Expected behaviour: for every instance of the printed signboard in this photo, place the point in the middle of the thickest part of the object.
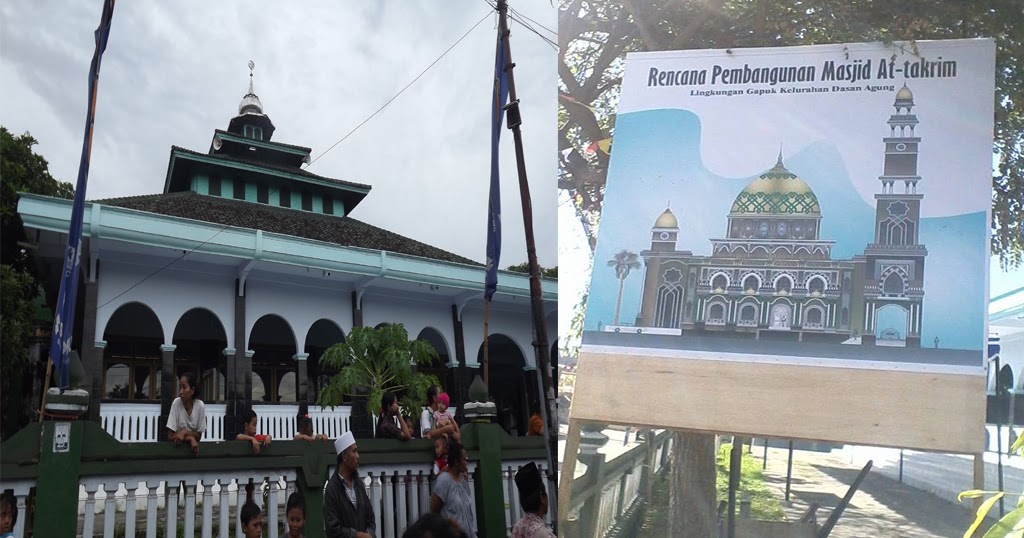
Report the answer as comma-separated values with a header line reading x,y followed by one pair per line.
x,y
808,206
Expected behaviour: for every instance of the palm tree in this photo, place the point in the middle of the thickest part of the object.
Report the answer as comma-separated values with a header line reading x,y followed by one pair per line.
x,y
623,262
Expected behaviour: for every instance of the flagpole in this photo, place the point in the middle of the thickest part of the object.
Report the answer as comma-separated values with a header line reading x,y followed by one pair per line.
x,y
63,326
487,303
540,339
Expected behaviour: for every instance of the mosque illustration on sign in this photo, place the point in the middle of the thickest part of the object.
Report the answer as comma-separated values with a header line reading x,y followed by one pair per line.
x,y
773,277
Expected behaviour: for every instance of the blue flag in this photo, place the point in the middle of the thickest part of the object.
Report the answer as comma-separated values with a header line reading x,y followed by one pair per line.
x,y
498,99
64,320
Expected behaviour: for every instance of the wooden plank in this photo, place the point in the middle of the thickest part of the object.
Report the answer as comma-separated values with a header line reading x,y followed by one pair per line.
x,y
902,409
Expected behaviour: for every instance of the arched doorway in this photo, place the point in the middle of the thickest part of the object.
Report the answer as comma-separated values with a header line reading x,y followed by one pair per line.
x,y
132,358
891,325
781,316
200,339
439,366
322,335
1004,379
274,378
506,382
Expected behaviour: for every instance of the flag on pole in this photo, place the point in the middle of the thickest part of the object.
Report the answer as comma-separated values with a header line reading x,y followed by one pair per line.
x,y
498,99
64,320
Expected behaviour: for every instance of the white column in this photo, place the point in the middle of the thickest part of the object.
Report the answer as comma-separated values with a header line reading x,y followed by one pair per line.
x,y
424,486
19,527
207,486
129,510
389,505
506,487
172,509
271,507
375,494
190,509
239,501
400,485
224,507
90,510
151,502
414,496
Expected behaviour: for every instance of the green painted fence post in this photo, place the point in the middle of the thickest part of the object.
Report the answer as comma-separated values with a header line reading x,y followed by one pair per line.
x,y
311,479
489,483
57,486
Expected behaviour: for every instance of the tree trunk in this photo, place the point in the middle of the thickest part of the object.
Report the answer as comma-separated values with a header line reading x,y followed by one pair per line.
x,y
618,304
692,491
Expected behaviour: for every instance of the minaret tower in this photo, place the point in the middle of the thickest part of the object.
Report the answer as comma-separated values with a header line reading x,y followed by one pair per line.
x,y
894,279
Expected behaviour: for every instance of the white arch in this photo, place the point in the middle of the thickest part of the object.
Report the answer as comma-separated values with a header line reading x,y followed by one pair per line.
x,y
743,279
295,342
728,281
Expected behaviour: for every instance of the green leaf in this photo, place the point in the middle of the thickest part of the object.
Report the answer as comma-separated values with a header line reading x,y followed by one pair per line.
x,y
982,513
973,494
1018,444
1008,525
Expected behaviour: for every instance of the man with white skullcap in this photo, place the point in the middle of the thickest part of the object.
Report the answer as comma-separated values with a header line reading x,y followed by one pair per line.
x,y
347,509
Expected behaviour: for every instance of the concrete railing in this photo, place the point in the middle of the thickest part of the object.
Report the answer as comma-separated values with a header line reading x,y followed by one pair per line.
x,y
91,481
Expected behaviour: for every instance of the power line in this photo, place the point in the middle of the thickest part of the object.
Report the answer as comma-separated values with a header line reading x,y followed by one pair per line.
x,y
401,91
518,17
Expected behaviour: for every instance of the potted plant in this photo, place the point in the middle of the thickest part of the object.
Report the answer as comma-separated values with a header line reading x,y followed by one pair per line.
x,y
370,362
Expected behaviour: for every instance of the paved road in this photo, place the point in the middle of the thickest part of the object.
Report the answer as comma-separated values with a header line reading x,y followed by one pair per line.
x,y
882,507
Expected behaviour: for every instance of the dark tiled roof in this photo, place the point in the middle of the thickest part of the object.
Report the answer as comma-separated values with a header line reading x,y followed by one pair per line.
x,y
270,166
293,146
344,231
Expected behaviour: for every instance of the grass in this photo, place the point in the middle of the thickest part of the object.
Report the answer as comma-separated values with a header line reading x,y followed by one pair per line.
x,y
763,504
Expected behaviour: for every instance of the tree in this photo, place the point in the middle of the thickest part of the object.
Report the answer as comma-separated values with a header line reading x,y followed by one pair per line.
x,y
378,360
525,269
21,170
595,35
623,262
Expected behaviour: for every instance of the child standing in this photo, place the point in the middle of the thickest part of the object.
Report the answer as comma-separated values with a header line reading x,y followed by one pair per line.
x,y
443,418
249,432
295,512
252,520
440,455
8,515
305,432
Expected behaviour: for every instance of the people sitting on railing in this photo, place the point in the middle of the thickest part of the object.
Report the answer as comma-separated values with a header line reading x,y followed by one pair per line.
x,y
8,515
390,424
453,496
305,431
249,432
534,500
444,419
295,514
427,427
252,520
347,509
187,419
432,525
440,455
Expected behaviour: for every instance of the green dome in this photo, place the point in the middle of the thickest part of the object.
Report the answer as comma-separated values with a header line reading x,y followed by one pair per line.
x,y
777,192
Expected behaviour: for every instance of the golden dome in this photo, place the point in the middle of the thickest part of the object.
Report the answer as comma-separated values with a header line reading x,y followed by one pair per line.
x,y
666,220
905,94
777,191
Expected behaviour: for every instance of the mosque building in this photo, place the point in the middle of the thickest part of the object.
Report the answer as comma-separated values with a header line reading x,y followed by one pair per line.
x,y
247,267
773,276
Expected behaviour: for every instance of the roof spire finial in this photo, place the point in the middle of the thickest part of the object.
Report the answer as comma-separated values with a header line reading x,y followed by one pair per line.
x,y
668,205
251,67
780,154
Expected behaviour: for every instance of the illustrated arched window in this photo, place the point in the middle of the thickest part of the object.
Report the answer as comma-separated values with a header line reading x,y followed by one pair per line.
x,y
719,282
116,382
716,313
748,315
893,284
783,284
816,285
814,316
259,392
781,316
751,283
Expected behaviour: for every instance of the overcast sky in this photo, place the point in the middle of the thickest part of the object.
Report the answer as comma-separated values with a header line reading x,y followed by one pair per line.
x,y
174,72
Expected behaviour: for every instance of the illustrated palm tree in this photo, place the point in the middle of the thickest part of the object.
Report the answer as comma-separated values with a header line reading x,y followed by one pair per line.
x,y
623,262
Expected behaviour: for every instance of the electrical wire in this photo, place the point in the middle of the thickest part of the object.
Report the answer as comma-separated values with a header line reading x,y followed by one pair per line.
x,y
432,64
